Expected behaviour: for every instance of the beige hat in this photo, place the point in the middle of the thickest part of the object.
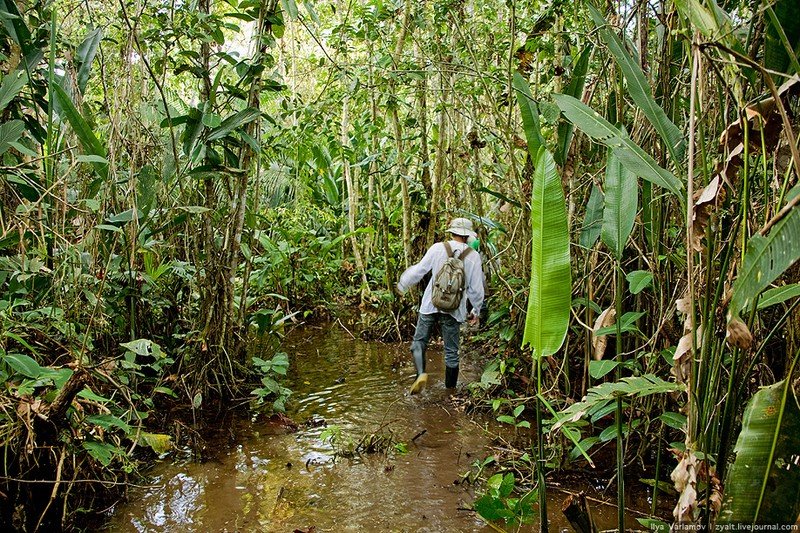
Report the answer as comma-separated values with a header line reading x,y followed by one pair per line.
x,y
461,226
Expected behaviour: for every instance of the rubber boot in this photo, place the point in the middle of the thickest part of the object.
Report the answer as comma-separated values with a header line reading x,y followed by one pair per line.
x,y
422,377
450,377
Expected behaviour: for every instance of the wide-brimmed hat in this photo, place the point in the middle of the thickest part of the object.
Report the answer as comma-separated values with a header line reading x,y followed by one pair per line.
x,y
461,226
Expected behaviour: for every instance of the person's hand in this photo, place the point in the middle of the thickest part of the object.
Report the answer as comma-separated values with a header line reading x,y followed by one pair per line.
x,y
473,319
399,290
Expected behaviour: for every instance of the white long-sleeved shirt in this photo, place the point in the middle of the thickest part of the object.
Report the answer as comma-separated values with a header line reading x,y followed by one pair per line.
x,y
432,262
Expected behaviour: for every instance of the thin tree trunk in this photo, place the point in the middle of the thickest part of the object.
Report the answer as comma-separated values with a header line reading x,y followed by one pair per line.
x,y
402,169
352,196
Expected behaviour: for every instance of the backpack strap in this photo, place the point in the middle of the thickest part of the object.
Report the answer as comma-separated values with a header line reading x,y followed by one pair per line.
x,y
448,248
465,253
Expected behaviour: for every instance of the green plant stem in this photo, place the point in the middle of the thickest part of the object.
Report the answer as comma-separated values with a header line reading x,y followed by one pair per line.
x,y
618,411
543,524
656,474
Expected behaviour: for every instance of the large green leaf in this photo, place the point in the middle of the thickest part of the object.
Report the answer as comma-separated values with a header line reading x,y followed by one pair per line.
x,y
701,18
9,132
89,141
15,25
11,86
782,37
233,122
766,259
566,129
593,222
778,295
85,56
530,114
639,89
628,152
551,278
763,484
621,203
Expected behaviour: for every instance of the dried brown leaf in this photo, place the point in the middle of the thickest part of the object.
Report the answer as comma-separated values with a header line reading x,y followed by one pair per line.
x,y
738,334
707,199
599,344
682,305
682,359
685,479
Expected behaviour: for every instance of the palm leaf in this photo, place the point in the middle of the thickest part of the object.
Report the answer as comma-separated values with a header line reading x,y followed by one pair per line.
x,y
630,387
551,279
530,114
621,204
628,152
766,259
639,90
763,484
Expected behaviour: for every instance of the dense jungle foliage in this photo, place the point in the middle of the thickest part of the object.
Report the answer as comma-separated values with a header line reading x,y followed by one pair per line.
x,y
179,178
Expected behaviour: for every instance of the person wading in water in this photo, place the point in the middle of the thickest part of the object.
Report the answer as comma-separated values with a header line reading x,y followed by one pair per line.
x,y
456,276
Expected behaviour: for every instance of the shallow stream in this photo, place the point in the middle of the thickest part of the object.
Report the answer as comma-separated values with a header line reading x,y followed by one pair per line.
x,y
268,479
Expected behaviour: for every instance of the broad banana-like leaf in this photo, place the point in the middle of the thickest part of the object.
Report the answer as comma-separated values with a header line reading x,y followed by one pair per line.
x,y
549,299
89,141
593,222
628,152
639,89
766,259
782,37
621,203
763,484
530,114
566,129
85,56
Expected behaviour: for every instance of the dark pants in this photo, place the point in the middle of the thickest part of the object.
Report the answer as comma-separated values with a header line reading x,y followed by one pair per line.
x,y
450,335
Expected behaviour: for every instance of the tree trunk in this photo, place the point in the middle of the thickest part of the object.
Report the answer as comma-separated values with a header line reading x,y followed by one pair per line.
x,y
352,197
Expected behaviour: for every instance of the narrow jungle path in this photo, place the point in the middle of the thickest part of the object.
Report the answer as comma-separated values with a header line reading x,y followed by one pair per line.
x,y
268,479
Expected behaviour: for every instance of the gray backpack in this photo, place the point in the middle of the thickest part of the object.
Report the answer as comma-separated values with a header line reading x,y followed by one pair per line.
x,y
448,286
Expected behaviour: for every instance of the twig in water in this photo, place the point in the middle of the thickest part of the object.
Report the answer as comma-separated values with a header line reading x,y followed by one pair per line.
x,y
339,320
418,435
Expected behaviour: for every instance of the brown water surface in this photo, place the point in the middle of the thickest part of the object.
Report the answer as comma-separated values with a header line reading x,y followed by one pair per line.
x,y
274,481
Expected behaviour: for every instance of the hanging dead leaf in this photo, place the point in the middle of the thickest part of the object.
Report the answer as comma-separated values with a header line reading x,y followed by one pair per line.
x,y
685,479
707,199
682,304
738,334
599,344
682,360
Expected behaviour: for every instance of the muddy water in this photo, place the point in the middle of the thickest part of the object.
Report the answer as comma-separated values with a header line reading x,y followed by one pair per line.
x,y
275,481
